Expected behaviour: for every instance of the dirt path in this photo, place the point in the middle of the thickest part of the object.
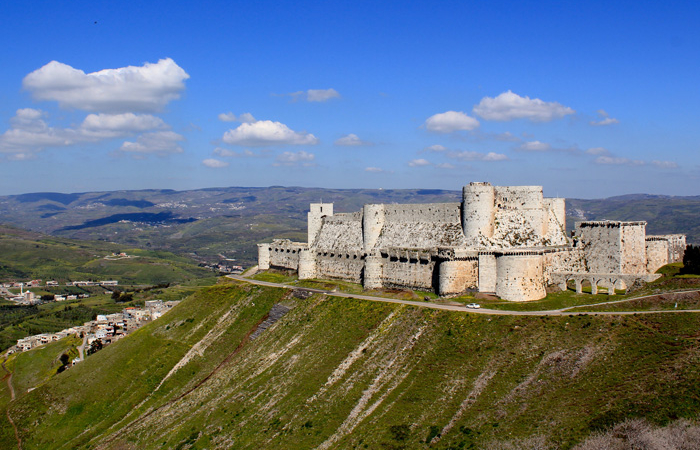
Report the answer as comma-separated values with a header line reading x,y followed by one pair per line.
x,y
495,312
82,347
8,379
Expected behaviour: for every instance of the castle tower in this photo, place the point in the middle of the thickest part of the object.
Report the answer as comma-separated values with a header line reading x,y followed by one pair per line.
x,y
263,256
372,224
317,211
520,276
478,210
373,271
307,264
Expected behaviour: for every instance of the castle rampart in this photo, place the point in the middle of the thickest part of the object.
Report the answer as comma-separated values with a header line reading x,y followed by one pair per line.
x,y
509,240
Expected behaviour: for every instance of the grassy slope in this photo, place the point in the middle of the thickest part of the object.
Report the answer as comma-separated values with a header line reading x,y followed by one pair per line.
x,y
365,375
26,255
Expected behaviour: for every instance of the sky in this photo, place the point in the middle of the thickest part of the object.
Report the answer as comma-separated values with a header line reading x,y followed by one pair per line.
x,y
587,99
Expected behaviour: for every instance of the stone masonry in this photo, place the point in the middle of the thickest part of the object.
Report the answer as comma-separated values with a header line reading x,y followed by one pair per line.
x,y
505,240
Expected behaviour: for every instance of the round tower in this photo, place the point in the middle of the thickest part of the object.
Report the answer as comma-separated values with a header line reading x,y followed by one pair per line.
x,y
520,276
263,256
478,209
373,271
307,264
372,224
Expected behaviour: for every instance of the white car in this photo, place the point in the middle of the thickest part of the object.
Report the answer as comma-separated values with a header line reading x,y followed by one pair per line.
x,y
473,305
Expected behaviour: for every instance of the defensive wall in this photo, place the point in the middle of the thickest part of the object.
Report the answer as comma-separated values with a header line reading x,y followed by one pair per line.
x,y
506,240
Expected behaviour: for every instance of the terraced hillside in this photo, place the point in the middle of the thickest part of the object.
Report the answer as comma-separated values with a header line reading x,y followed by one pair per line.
x,y
346,373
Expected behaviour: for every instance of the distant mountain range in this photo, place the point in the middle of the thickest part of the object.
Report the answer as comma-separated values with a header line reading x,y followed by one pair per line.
x,y
216,223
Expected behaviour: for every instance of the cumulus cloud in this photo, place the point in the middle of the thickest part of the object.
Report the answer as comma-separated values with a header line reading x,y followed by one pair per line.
x,y
665,164
267,132
437,148
598,151
314,95
226,153
603,119
295,158
29,133
419,163
352,140
227,117
144,88
476,156
231,117
534,146
158,143
215,163
450,121
510,106
106,126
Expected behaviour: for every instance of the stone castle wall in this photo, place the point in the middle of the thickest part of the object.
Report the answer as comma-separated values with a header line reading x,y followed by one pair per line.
x,y
510,241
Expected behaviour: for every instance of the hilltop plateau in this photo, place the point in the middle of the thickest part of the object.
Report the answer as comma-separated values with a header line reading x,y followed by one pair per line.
x,y
226,223
243,366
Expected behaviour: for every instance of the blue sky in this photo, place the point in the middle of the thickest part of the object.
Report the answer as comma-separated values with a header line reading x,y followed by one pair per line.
x,y
589,99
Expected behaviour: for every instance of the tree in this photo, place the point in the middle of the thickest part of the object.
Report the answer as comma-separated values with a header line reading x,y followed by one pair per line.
x,y
691,260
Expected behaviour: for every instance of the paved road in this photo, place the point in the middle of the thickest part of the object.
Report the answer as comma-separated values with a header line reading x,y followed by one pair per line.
x,y
496,312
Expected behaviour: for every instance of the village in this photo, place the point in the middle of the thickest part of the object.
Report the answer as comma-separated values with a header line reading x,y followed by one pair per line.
x,y
102,331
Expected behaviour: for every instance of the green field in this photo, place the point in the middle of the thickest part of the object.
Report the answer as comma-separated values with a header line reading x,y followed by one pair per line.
x,y
345,373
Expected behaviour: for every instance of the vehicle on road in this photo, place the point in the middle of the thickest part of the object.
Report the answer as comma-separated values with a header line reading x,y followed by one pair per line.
x,y
473,305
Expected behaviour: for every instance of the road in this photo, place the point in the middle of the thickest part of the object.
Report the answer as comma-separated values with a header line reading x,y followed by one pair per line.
x,y
495,312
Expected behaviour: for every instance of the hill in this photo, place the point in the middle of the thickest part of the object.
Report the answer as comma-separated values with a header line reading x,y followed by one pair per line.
x,y
217,223
241,366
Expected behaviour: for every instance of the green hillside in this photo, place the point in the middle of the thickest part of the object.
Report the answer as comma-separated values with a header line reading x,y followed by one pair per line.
x,y
345,373
27,255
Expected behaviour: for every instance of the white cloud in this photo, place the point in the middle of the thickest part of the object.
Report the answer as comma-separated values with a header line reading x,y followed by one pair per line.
x,y
419,163
534,146
145,88
603,119
267,132
321,95
437,148
158,143
105,126
491,156
665,164
510,106
598,151
295,158
374,170
246,118
227,117
231,117
214,163
29,133
226,153
352,140
476,156
613,160
450,121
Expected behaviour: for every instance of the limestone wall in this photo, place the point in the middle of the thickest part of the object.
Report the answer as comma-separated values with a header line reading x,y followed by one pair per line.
x,y
372,223
633,245
488,272
613,247
284,254
408,272
556,221
520,276
307,264
478,210
341,265
657,253
317,211
565,259
341,232
263,256
456,276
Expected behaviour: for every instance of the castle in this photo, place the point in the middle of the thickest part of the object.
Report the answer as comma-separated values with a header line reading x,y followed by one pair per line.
x,y
507,240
